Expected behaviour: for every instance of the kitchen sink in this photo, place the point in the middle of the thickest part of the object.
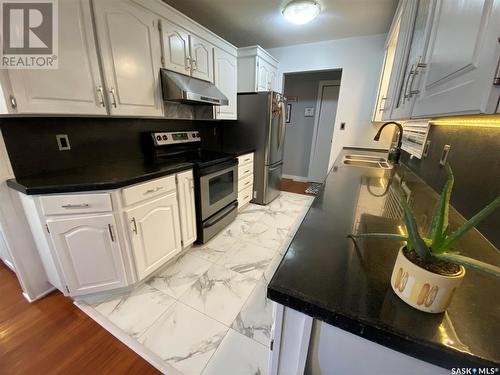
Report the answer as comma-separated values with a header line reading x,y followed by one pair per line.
x,y
366,161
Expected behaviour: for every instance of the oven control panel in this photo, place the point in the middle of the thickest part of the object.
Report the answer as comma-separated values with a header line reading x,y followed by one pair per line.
x,y
171,138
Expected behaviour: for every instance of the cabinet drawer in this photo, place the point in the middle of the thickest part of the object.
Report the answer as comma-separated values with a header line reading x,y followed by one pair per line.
x,y
245,196
245,159
75,203
245,171
245,182
148,190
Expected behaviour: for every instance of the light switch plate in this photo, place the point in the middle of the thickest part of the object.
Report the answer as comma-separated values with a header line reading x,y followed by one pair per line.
x,y
309,112
63,142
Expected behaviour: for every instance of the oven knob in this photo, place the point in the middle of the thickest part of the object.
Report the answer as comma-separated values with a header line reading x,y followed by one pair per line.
x,y
198,134
193,135
158,137
165,137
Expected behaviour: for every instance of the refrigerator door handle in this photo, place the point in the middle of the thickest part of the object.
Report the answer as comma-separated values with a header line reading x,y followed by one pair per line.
x,y
281,134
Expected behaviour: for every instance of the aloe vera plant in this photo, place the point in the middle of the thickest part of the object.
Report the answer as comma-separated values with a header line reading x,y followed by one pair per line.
x,y
436,246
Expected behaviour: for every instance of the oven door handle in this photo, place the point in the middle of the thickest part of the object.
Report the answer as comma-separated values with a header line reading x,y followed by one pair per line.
x,y
220,215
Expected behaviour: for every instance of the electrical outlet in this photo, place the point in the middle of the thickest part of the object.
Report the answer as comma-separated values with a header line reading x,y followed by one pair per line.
x,y
426,149
444,154
63,142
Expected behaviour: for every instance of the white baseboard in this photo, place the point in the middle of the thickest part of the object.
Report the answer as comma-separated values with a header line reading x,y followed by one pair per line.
x,y
295,178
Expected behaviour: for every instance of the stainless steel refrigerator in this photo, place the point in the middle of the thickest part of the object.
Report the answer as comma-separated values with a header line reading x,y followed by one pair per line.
x,y
260,127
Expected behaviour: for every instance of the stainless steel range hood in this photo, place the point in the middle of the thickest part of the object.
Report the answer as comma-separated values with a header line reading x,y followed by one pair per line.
x,y
183,89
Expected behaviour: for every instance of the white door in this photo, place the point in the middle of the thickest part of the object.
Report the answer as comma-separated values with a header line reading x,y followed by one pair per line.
x,y
187,213
131,56
263,69
202,59
89,253
225,80
326,110
75,86
175,48
155,233
462,59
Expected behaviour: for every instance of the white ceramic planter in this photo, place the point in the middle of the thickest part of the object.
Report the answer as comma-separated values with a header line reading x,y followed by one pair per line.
x,y
422,289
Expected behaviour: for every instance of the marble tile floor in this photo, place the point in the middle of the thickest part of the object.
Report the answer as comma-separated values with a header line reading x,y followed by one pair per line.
x,y
206,312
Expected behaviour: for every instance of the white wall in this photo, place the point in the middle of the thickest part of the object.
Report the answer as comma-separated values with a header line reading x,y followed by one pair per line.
x,y
360,59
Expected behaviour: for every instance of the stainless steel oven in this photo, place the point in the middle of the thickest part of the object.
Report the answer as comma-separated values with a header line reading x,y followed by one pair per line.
x,y
218,188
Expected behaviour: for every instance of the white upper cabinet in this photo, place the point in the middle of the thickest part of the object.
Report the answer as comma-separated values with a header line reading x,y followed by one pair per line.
x,y
154,233
175,47
382,105
88,252
130,49
257,70
75,87
187,213
202,59
225,80
414,44
185,53
463,56
446,60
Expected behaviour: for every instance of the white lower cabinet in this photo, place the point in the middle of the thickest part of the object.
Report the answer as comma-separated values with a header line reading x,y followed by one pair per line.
x,y
93,242
88,252
245,180
187,213
154,233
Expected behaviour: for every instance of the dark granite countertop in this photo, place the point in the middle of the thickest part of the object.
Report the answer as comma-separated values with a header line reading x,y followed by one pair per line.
x,y
241,151
104,176
327,277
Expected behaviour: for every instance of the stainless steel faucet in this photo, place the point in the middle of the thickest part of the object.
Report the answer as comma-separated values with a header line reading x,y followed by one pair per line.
x,y
400,138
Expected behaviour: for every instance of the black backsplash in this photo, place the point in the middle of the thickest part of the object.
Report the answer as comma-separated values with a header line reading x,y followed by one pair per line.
x,y
32,146
475,160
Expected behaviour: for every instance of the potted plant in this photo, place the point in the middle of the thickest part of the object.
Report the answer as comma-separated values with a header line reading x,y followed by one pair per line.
x,y
427,271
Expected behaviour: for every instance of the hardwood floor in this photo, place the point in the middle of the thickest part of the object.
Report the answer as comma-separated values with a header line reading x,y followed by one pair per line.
x,y
294,186
52,336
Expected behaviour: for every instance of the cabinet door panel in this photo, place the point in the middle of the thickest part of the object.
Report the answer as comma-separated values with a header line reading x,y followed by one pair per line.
x,y
202,58
72,88
262,75
462,59
225,80
88,252
185,191
175,48
130,49
155,233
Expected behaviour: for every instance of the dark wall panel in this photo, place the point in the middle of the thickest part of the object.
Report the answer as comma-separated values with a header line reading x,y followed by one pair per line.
x,y
475,160
32,146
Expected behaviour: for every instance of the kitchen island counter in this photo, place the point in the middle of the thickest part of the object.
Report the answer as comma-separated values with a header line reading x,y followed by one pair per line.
x,y
346,284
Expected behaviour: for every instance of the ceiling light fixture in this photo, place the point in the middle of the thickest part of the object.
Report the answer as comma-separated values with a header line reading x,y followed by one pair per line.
x,y
300,12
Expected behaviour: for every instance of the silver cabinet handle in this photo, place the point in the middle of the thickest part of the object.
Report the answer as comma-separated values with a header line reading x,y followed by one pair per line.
x,y
110,228
188,63
407,81
419,65
194,64
247,183
100,91
13,101
134,229
149,191
112,92
82,205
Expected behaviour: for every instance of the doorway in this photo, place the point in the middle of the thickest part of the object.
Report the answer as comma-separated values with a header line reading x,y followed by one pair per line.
x,y
324,124
312,99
